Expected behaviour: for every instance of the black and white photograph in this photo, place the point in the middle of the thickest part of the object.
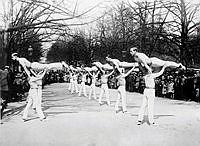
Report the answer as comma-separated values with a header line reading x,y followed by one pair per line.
x,y
100,72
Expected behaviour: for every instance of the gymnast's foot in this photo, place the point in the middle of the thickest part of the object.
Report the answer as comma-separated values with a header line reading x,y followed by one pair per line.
x,y
182,66
64,64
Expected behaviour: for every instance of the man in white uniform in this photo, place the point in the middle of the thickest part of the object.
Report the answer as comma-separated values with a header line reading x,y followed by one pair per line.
x,y
104,86
35,94
92,86
148,97
70,80
122,90
82,87
74,87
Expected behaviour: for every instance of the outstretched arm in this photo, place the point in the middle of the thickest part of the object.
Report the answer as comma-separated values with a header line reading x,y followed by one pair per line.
x,y
101,70
155,75
96,75
27,71
71,70
24,62
129,71
39,77
33,72
42,75
110,73
89,73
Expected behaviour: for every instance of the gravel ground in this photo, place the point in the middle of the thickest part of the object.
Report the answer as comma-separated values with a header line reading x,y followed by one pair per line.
x,y
77,121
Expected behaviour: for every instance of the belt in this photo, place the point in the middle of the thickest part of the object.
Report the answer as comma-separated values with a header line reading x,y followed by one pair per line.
x,y
36,87
150,87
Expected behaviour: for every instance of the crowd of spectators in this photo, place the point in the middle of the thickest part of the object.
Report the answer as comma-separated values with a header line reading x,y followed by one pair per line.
x,y
55,76
181,85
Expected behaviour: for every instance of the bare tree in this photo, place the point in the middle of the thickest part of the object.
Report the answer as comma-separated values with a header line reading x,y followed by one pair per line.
x,y
116,31
150,18
40,20
183,22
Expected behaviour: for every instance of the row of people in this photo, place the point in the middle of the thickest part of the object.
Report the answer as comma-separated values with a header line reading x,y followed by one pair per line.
x,y
142,60
149,92
73,86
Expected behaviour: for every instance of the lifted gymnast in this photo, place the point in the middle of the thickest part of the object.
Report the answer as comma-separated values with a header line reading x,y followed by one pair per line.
x,y
38,66
149,63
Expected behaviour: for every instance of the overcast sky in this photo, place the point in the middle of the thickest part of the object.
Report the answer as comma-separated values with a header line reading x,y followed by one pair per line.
x,y
82,6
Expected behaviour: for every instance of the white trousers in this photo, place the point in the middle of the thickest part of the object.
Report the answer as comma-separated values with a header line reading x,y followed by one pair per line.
x,y
147,104
92,90
33,96
121,95
104,89
39,96
70,84
74,87
82,88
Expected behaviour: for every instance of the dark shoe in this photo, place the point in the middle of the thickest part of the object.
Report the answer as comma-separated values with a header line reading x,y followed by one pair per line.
x,y
42,119
34,109
108,103
139,122
153,124
24,119
125,112
117,111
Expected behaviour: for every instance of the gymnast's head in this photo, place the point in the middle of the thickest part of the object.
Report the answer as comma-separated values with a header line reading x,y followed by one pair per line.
x,y
108,58
133,50
14,56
